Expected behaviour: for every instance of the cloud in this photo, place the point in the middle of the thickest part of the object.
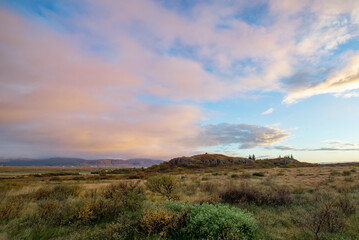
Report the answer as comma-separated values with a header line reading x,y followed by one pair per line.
x,y
344,79
125,77
269,111
348,95
245,135
70,102
288,148
56,99
331,145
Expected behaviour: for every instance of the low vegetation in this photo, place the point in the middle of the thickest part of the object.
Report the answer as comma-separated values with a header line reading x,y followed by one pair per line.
x,y
223,202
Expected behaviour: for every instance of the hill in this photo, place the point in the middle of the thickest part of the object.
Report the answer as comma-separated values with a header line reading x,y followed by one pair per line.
x,y
222,161
209,160
79,162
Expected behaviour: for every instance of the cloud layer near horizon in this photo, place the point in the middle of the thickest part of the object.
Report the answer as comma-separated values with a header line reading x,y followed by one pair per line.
x,y
113,79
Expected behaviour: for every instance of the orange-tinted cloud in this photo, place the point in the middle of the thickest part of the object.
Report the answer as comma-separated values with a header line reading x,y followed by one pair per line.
x,y
58,95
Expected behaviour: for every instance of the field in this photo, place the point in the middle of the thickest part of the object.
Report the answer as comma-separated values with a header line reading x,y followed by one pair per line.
x,y
318,202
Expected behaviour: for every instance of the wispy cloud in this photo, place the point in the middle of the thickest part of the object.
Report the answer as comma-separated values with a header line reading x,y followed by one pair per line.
x,y
331,145
269,111
344,79
348,95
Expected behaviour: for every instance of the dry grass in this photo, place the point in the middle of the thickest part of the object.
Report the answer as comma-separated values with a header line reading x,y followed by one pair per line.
x,y
36,196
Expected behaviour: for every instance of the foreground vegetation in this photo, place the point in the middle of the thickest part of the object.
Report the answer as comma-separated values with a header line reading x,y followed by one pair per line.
x,y
316,202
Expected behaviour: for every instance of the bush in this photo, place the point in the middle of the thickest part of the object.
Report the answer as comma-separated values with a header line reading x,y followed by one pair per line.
x,y
258,174
190,188
334,172
349,179
346,204
12,185
10,209
245,175
209,187
157,221
59,192
117,199
244,193
46,209
277,196
346,173
109,204
165,185
125,228
322,215
85,213
235,176
219,221
167,219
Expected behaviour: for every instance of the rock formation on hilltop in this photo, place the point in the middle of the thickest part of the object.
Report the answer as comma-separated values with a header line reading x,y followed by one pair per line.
x,y
210,160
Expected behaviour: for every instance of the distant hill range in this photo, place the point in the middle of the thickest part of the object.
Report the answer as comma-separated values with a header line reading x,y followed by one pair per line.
x,y
79,162
196,161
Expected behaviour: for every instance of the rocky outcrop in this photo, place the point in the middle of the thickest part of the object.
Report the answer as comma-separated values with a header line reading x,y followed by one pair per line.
x,y
210,160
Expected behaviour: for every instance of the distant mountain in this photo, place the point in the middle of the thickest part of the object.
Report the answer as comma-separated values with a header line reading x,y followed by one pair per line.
x,y
79,162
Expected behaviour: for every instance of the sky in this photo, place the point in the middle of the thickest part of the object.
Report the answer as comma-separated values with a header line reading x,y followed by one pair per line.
x,y
161,79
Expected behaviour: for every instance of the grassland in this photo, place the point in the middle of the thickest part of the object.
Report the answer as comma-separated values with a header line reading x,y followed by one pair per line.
x,y
312,202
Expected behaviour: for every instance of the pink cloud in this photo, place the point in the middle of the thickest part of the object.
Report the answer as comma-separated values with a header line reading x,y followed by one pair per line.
x,y
56,97
55,92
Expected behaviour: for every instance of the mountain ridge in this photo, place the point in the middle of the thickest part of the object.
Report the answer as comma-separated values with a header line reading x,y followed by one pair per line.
x,y
80,162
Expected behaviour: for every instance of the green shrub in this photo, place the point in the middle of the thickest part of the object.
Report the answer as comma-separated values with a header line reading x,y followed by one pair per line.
x,y
166,185
177,207
258,174
219,221
346,173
